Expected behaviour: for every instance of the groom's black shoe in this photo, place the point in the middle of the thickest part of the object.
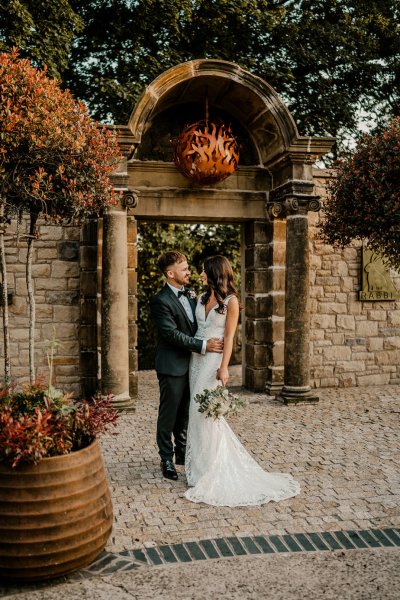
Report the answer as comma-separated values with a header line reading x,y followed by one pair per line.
x,y
168,470
179,459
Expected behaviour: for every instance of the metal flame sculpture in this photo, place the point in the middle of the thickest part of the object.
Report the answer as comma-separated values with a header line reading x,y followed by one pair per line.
x,y
207,152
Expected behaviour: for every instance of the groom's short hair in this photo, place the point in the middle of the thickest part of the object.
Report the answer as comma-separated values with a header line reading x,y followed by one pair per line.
x,y
168,259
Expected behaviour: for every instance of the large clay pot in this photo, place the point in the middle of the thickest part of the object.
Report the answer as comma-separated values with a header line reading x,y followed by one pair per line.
x,y
55,516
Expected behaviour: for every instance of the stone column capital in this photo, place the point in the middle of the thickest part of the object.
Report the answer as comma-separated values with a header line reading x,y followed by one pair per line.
x,y
130,199
292,198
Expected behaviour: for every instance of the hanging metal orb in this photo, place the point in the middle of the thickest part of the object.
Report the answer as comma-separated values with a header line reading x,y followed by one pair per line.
x,y
207,152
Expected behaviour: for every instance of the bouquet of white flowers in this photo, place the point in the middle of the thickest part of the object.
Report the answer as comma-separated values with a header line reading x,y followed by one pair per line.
x,y
219,402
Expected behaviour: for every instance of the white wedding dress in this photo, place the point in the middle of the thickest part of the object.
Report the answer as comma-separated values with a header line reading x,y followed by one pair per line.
x,y
218,468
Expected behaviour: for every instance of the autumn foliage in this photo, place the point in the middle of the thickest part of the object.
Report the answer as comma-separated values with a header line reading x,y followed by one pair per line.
x,y
54,159
364,199
34,425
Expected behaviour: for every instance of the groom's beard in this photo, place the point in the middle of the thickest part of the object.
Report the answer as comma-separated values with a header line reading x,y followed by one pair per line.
x,y
181,281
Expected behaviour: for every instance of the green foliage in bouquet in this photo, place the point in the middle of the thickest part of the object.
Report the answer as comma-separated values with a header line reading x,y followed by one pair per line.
x,y
219,402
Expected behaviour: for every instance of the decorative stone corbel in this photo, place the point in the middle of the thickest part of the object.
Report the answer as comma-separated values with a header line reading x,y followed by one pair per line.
x,y
130,199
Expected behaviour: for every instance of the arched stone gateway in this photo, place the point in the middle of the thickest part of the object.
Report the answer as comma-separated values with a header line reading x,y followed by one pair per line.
x,y
270,194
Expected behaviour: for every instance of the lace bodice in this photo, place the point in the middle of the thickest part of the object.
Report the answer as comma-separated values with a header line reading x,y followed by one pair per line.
x,y
212,326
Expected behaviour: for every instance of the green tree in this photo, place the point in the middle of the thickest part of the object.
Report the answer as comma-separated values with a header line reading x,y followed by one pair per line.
x,y
55,162
364,198
330,59
196,242
126,44
344,58
42,30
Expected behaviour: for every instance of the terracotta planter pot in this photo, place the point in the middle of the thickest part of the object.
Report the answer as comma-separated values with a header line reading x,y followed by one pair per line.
x,y
55,516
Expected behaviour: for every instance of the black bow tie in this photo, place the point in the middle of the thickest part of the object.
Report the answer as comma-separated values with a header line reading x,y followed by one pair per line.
x,y
183,293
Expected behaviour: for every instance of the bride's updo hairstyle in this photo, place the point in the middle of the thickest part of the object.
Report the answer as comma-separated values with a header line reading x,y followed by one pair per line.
x,y
219,280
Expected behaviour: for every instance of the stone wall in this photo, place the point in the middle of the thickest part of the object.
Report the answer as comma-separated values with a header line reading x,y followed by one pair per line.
x,y
352,342
56,284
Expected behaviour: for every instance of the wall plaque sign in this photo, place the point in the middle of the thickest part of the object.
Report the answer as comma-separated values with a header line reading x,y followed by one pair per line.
x,y
377,284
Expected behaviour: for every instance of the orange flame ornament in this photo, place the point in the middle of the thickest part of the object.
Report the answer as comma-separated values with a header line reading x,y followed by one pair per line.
x,y
207,152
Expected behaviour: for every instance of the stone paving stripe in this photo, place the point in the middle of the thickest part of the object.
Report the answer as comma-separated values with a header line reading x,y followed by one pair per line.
x,y
103,562
181,552
392,535
262,542
367,537
134,554
291,543
130,566
209,549
223,547
383,539
118,565
317,541
329,539
305,542
250,545
236,546
344,540
277,542
167,554
154,556
355,538
139,555
127,560
195,551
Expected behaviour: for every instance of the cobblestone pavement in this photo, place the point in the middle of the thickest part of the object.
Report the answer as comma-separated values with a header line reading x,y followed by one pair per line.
x,y
344,451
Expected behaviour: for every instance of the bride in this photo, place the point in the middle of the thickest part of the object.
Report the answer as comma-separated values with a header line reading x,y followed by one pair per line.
x,y
219,470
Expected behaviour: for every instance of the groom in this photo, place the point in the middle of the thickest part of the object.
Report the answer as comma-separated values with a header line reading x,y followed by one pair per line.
x,y
173,313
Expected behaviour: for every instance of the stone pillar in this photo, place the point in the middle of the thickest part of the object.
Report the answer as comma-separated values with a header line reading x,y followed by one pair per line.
x,y
276,306
295,204
132,306
88,309
264,306
114,317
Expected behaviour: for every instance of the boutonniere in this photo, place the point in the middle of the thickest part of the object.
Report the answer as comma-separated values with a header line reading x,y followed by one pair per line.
x,y
192,294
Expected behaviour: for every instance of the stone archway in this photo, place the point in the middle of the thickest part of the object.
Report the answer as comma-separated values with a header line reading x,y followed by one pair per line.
x,y
271,196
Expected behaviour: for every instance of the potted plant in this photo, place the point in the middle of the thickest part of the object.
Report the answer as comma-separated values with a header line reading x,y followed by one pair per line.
x,y
55,505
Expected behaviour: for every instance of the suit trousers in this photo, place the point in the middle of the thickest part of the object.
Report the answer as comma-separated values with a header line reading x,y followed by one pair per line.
x,y
173,415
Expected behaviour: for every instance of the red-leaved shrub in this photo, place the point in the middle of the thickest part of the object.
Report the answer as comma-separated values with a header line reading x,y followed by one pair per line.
x,y
34,426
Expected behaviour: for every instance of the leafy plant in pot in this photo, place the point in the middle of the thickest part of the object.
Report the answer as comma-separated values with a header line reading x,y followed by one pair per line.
x,y
56,162
55,505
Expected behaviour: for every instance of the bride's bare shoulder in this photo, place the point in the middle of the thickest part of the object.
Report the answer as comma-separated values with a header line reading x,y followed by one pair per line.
x,y
232,300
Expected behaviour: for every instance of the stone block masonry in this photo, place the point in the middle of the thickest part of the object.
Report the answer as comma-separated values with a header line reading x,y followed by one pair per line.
x,y
352,342
56,285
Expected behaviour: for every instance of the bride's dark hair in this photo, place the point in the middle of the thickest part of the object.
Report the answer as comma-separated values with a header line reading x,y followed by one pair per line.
x,y
219,280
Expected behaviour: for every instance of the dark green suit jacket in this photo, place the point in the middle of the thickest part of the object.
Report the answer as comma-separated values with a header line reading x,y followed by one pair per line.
x,y
175,333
